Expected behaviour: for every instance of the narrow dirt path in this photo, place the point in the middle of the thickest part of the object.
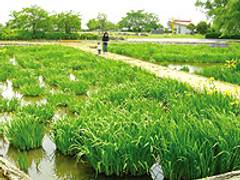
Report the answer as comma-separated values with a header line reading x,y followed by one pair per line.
x,y
199,83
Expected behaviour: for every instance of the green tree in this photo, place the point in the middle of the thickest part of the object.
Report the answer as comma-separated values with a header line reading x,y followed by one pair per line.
x,y
224,13
33,19
66,22
93,24
192,28
139,21
101,23
202,27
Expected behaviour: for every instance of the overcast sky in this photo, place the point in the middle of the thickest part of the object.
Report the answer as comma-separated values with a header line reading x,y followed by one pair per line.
x,y
115,9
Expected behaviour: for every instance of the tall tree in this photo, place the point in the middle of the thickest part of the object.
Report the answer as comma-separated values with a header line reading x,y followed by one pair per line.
x,y
224,13
139,21
101,23
34,19
67,22
93,24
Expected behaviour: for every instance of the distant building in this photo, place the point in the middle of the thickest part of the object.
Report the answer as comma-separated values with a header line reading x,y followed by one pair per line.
x,y
179,26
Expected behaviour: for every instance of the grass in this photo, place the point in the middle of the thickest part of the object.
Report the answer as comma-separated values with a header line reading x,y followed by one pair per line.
x,y
42,113
25,132
132,118
177,53
223,73
23,162
32,90
9,105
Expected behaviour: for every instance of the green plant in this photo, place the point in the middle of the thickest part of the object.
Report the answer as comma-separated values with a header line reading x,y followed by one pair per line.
x,y
64,134
23,162
32,90
42,113
9,105
77,87
25,132
60,99
176,53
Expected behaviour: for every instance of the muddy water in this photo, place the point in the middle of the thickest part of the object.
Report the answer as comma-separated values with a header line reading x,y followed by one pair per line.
x,y
8,93
191,68
47,163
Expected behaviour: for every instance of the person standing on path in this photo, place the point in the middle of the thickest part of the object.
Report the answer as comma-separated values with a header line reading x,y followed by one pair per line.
x,y
105,40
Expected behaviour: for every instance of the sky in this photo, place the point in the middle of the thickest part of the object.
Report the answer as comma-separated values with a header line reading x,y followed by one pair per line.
x,y
115,9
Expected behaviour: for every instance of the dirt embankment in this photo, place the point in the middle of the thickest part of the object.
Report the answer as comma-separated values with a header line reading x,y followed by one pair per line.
x,y
9,172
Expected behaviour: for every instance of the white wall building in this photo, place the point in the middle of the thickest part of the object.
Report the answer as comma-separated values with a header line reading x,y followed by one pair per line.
x,y
179,26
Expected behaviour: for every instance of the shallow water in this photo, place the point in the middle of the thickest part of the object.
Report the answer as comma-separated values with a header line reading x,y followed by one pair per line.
x,y
8,93
41,81
72,77
192,68
13,61
47,163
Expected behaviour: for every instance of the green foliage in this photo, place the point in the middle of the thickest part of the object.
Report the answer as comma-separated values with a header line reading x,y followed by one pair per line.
x,y
60,99
192,28
202,27
33,19
177,53
64,134
66,22
77,87
32,90
213,35
7,71
130,117
9,105
43,113
25,132
225,14
223,73
22,161
101,23
139,21
89,36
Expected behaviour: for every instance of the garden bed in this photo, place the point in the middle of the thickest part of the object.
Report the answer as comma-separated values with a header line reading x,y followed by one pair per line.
x,y
118,119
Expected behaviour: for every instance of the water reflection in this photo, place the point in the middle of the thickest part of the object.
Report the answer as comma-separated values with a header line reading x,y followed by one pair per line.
x,y
13,61
47,163
72,77
8,92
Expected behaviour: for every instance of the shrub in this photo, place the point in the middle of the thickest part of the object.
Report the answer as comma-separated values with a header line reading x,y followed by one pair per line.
x,y
231,36
25,132
213,35
89,36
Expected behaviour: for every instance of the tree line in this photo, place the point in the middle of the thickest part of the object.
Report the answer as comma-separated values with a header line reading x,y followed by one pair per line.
x,y
35,22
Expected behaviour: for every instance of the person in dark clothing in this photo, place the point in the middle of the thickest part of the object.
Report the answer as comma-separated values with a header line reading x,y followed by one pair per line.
x,y
105,40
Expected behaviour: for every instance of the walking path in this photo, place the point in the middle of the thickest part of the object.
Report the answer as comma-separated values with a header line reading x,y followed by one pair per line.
x,y
199,83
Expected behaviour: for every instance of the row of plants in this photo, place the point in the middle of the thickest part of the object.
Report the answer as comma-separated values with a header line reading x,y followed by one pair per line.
x,y
218,35
177,53
127,119
230,72
26,35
